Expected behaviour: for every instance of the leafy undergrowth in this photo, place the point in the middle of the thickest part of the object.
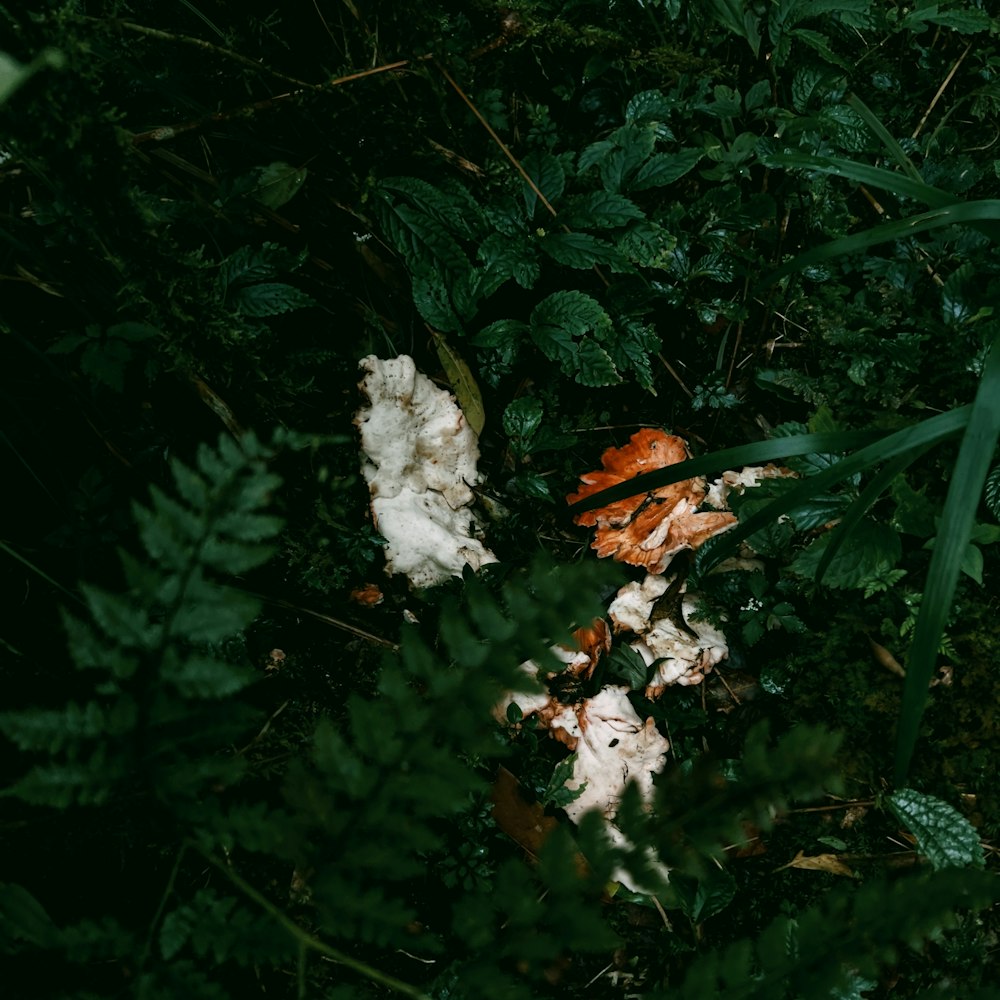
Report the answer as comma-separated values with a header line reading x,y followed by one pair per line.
x,y
239,759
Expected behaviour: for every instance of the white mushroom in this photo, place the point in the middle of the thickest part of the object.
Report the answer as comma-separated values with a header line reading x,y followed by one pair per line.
x,y
421,464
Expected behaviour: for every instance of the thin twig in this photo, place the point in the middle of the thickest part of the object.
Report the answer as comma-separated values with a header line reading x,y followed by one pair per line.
x,y
503,146
306,940
200,43
940,91
677,378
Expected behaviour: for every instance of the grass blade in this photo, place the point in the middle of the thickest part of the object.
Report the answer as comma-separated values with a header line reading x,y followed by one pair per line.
x,y
727,458
917,438
863,173
857,510
892,147
971,213
957,519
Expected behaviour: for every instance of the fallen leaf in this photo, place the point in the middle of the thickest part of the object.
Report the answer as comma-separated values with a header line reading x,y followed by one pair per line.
x,y
651,528
829,863
470,399
523,821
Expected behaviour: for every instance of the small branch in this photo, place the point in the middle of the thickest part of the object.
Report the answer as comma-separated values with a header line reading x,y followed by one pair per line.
x,y
940,91
306,940
505,149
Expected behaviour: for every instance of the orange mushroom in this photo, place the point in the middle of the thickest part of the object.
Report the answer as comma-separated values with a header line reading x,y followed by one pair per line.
x,y
651,528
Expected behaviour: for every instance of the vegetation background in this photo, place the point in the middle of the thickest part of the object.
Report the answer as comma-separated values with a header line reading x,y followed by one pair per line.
x,y
743,222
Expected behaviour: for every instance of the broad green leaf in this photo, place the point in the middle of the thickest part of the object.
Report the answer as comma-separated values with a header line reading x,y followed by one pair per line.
x,y
701,898
957,519
648,106
601,210
549,177
14,74
278,183
943,834
23,918
270,298
873,548
665,168
573,310
462,383
500,333
595,365
879,483
521,420
581,250
430,296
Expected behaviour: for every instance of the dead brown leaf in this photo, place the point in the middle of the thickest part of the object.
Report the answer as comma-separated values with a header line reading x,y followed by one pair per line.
x,y
829,863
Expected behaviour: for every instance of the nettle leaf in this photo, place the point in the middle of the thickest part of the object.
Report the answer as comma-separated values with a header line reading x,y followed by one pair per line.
x,y
596,366
507,257
665,168
943,834
250,264
270,298
648,106
278,183
581,250
619,156
430,296
502,333
600,210
451,209
992,492
521,420
871,549
549,177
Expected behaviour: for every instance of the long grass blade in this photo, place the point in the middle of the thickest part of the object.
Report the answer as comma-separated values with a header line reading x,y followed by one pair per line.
x,y
957,519
852,516
893,148
917,438
972,213
863,173
727,458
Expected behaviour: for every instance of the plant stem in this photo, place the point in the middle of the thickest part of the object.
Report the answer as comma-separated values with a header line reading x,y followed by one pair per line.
x,y
306,940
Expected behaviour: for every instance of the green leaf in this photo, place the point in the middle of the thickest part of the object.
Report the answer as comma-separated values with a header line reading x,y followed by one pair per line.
x,y
665,168
943,834
991,493
957,520
581,250
549,177
701,898
648,106
508,257
600,210
462,383
278,183
23,918
873,548
270,299
983,214
14,75
521,420
595,365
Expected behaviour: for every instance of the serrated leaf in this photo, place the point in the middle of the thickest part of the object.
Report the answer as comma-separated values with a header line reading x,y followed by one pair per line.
x,y
581,250
521,420
573,310
463,385
270,298
278,183
601,210
648,106
873,548
430,296
549,177
991,493
595,365
665,168
943,834
701,898
508,257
